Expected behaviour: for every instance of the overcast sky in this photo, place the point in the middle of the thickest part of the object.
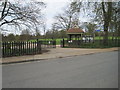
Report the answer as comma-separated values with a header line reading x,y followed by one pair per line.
x,y
56,6
53,8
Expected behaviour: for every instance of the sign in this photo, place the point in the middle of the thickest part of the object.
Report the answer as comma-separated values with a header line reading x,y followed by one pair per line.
x,y
97,30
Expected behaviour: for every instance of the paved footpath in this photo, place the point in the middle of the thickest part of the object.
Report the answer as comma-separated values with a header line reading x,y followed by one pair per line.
x,y
55,53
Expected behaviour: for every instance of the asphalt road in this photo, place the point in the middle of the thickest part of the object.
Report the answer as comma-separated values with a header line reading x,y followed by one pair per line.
x,y
88,71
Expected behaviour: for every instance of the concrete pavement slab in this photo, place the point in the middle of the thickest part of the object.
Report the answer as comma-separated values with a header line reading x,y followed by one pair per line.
x,y
55,53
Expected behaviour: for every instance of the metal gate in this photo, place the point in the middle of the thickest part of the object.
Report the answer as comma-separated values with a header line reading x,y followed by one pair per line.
x,y
48,44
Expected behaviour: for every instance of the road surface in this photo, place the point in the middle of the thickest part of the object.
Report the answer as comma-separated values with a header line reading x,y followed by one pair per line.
x,y
88,71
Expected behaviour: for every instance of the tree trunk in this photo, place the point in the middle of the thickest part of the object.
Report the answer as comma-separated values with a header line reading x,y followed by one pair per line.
x,y
107,19
105,39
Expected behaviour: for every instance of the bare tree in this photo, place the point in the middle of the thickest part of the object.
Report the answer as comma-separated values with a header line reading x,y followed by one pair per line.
x,y
91,28
69,17
15,14
115,20
103,12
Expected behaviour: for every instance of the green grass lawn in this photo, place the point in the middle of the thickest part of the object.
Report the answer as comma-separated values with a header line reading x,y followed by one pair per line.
x,y
58,40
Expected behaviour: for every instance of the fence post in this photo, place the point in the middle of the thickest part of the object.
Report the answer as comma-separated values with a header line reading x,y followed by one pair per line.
x,y
3,49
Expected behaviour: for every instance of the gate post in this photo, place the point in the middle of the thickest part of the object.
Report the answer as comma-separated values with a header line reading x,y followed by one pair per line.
x,y
63,42
39,46
54,44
